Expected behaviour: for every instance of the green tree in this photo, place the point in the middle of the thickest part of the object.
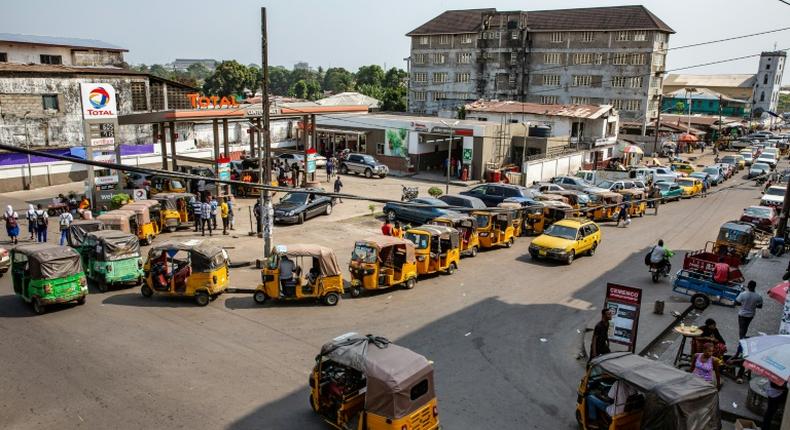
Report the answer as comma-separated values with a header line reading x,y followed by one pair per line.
x,y
374,91
306,89
279,80
680,107
394,78
784,103
370,75
338,80
161,71
230,77
199,72
394,100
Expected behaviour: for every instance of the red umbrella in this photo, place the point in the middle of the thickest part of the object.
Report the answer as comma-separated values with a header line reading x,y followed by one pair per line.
x,y
779,292
686,137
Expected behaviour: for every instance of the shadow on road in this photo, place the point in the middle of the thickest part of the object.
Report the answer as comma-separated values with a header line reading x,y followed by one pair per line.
x,y
132,299
14,307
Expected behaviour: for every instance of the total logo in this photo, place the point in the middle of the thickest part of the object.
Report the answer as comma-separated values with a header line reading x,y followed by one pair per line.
x,y
97,101
99,97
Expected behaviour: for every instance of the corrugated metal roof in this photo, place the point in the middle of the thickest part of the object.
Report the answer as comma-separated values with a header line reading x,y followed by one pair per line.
x,y
701,94
60,69
453,22
349,99
571,111
708,81
72,42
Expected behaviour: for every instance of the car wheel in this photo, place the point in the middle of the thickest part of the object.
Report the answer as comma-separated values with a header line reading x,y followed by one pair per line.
x,y
149,239
38,307
391,216
146,291
591,252
202,298
81,301
344,169
331,299
410,283
534,255
259,297
571,256
368,173
328,210
301,218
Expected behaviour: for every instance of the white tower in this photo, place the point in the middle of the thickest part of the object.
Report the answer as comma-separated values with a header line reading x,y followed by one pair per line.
x,y
768,81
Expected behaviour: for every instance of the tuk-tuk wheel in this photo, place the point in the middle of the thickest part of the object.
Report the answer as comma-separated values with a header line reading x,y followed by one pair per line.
x,y
474,251
452,268
356,292
700,301
202,298
146,291
331,299
259,297
38,307
149,239
171,229
102,285
509,243
410,283
81,301
312,403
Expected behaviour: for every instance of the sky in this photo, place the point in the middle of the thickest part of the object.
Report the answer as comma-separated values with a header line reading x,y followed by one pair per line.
x,y
351,33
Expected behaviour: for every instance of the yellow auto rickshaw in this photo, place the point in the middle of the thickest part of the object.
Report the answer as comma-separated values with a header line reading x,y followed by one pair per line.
x,y
176,210
284,277
437,248
368,383
551,197
736,238
637,205
120,219
578,200
604,206
467,230
191,268
541,214
163,184
147,229
495,228
517,214
381,262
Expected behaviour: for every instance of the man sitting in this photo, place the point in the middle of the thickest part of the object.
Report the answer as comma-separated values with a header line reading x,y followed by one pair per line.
x,y
615,403
287,282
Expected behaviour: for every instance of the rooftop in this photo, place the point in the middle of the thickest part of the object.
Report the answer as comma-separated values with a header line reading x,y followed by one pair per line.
x,y
708,81
67,42
635,17
701,94
7,68
349,99
571,111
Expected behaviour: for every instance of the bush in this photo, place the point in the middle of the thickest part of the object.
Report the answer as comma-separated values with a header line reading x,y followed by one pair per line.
x,y
119,200
372,209
435,192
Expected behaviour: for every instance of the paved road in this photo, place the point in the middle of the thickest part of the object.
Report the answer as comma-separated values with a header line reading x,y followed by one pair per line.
x,y
122,361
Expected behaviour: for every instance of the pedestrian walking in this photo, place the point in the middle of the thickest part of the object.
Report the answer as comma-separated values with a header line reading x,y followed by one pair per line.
x,y
12,224
749,302
231,214
41,220
224,212
31,221
196,207
621,216
64,221
705,187
205,220
599,344
214,210
337,187
296,176
201,186
257,211
329,166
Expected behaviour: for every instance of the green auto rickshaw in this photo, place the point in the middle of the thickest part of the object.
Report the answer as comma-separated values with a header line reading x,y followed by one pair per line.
x,y
79,229
45,274
112,258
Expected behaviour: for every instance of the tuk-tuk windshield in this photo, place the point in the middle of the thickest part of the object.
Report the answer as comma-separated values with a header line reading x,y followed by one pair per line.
x,y
363,253
483,220
735,236
176,184
561,231
420,240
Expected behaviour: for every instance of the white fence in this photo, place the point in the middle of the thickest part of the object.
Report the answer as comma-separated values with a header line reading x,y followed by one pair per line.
x,y
547,168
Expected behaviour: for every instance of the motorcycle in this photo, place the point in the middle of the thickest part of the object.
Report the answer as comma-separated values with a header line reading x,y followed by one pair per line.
x,y
409,193
657,272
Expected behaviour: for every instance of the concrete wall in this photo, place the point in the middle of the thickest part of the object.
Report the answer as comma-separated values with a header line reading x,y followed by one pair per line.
x,y
545,169
769,80
26,54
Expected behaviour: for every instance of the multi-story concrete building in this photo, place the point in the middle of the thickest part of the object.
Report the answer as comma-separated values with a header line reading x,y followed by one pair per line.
x,y
606,55
768,80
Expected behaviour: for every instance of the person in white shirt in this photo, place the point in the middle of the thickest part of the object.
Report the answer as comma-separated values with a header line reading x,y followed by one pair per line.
x,y
65,221
618,396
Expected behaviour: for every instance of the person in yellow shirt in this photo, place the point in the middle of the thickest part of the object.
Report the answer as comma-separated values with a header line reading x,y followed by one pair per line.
x,y
224,211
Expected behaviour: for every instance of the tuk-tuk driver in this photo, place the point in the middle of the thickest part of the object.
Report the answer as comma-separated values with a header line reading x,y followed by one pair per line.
x,y
615,402
287,268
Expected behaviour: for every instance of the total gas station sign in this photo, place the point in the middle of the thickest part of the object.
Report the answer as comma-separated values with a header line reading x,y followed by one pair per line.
x,y
98,101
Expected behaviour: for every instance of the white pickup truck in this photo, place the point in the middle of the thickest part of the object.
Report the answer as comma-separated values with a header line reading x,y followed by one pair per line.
x,y
641,173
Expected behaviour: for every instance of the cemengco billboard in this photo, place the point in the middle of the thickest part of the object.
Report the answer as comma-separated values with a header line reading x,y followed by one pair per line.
x,y
98,101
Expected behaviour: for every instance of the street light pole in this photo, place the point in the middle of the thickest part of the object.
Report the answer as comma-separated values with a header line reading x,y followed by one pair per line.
x,y
524,153
264,157
29,183
449,154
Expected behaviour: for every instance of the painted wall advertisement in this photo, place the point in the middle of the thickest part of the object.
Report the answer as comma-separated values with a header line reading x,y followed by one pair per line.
x,y
311,154
223,168
396,142
624,302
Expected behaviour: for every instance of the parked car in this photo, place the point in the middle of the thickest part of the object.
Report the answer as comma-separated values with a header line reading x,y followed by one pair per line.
x,y
682,167
758,169
715,174
566,239
571,183
618,185
767,158
300,206
546,187
463,201
747,155
763,217
731,160
420,214
494,194
294,158
669,191
702,176
727,169
774,196
363,164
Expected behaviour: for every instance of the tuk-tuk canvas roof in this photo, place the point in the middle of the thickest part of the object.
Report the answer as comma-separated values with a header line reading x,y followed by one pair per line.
x,y
437,230
674,399
118,217
391,371
79,228
382,241
204,256
326,257
50,261
117,244
141,210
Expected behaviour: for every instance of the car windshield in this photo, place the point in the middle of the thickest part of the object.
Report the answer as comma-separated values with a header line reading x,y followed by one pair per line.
x,y
295,198
761,166
605,184
561,231
175,183
482,220
663,185
420,240
711,170
757,212
686,182
363,253
767,157
778,191
700,175
728,159
369,159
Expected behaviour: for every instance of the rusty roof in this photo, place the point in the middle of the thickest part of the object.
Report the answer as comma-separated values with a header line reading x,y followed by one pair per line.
x,y
6,68
634,17
571,111
66,42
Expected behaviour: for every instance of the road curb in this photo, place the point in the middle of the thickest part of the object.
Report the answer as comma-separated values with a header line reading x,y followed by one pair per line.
x,y
666,330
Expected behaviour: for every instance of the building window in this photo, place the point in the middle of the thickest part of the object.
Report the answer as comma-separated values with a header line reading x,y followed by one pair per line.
x,y
3,57
582,80
768,66
139,101
660,37
514,34
580,100
551,80
466,38
419,96
619,81
439,58
623,36
445,39
51,59
548,100
420,58
620,59
464,57
463,77
420,77
551,58
50,102
587,58
638,59
640,36
617,104
765,79
557,37
633,105
762,96
587,36
424,40
439,77
439,95
380,148
635,82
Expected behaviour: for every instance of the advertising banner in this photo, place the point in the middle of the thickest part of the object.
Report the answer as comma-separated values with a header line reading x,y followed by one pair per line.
x,y
311,155
625,303
98,101
223,168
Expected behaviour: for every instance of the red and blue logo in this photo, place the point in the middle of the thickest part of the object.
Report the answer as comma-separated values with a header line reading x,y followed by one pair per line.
x,y
98,97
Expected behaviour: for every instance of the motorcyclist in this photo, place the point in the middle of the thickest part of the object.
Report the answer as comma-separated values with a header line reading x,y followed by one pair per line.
x,y
659,256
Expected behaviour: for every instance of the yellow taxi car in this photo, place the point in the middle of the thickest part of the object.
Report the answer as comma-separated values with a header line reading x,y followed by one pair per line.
x,y
684,168
690,186
566,239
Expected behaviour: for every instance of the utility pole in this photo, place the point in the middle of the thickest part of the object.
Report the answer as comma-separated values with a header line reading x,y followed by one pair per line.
x,y
658,123
265,156
524,154
719,136
449,154
29,183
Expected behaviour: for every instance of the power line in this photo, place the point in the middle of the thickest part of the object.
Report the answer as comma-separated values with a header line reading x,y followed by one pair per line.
x,y
783,1
692,45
